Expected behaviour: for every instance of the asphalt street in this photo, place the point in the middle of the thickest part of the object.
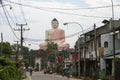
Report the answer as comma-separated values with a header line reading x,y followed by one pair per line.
x,y
41,76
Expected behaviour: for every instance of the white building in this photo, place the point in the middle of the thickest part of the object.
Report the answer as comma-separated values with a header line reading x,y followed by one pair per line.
x,y
107,45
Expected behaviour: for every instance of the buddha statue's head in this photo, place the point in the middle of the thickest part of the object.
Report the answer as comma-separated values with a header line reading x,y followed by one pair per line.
x,y
55,23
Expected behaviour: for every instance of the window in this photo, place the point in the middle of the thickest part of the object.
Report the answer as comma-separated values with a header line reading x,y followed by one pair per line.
x,y
106,44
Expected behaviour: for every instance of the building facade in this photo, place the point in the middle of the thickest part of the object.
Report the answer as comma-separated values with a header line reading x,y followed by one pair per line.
x,y
97,48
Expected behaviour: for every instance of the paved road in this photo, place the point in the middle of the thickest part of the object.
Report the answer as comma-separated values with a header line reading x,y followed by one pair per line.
x,y
41,76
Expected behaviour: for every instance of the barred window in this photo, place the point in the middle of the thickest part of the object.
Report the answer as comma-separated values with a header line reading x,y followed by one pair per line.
x,y
106,44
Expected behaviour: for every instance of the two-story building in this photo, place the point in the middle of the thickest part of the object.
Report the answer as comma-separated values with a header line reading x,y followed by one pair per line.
x,y
97,48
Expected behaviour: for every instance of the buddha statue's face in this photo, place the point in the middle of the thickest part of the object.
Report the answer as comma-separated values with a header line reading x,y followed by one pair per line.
x,y
55,24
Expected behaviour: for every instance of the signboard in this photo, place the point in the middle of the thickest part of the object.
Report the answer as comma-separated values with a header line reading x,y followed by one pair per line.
x,y
101,51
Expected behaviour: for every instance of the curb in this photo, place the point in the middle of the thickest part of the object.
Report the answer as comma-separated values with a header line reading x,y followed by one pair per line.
x,y
27,76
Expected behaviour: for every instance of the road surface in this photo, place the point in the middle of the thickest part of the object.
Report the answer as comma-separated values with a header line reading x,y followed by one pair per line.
x,y
41,76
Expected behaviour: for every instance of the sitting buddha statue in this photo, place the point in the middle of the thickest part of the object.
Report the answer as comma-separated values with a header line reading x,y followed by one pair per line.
x,y
55,35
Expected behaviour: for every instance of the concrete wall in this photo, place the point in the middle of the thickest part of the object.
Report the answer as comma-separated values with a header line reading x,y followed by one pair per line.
x,y
38,60
109,39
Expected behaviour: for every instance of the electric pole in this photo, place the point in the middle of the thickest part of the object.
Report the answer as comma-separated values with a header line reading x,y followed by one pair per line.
x,y
17,49
0,1
95,48
1,43
1,33
85,46
79,56
21,29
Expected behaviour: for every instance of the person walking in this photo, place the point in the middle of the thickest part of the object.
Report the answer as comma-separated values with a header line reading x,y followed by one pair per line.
x,y
68,74
31,71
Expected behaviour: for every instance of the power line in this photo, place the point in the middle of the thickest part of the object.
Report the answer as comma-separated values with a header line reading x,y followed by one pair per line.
x,y
8,19
13,12
54,39
98,7
32,43
71,35
2,17
22,12
35,7
4,5
21,35
10,16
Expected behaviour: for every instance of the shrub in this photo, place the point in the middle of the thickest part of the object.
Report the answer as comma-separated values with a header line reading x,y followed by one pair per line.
x,y
10,73
8,69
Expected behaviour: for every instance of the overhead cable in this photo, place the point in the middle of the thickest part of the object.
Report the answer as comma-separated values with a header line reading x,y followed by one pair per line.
x,y
12,9
56,11
22,11
8,20
98,7
71,35
3,17
10,16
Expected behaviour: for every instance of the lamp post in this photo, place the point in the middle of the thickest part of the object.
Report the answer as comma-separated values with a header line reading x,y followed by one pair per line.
x,y
113,36
78,44
29,55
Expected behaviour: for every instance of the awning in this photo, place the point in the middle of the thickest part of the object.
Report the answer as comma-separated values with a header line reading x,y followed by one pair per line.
x,y
110,57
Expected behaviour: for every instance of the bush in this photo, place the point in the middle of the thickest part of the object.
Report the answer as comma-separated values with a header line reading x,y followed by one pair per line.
x,y
8,69
10,73
59,69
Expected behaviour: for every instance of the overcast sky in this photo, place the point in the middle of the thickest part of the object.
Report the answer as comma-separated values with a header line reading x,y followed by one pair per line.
x,y
39,13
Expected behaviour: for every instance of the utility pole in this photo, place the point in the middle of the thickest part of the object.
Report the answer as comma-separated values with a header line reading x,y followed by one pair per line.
x,y
17,49
85,57
95,49
0,1
1,42
1,33
21,29
30,56
114,46
79,56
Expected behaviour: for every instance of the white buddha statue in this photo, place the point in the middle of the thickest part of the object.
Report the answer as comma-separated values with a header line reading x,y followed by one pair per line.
x,y
55,35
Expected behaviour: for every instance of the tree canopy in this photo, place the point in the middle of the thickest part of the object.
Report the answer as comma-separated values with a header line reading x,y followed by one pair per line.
x,y
5,48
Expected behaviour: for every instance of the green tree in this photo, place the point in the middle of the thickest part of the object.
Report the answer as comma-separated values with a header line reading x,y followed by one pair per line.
x,y
6,48
9,69
43,55
31,57
52,46
53,51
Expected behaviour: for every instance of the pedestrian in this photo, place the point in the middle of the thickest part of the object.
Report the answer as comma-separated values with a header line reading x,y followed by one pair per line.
x,y
68,73
31,71
63,72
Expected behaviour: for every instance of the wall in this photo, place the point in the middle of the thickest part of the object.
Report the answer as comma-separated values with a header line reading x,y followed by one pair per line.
x,y
38,60
109,38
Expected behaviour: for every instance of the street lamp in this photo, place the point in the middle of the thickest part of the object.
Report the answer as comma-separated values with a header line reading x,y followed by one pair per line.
x,y
78,45
113,36
74,23
29,55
